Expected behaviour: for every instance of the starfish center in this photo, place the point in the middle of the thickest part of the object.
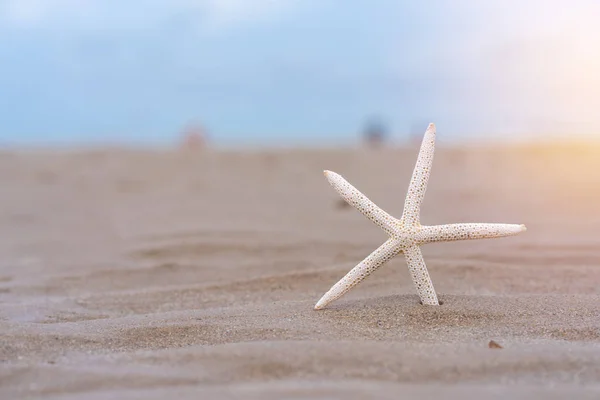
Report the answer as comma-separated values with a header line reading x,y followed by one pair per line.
x,y
406,236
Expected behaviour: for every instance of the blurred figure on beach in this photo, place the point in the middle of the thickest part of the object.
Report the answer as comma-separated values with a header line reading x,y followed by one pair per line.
x,y
375,133
194,138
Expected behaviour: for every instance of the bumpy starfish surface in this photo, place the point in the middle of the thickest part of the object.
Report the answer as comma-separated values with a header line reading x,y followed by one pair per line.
x,y
407,234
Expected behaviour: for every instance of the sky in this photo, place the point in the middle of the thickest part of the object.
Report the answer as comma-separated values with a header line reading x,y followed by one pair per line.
x,y
277,71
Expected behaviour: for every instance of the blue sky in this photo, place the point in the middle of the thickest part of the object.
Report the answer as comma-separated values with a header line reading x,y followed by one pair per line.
x,y
276,71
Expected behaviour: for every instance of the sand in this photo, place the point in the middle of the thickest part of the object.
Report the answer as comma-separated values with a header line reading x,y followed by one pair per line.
x,y
146,274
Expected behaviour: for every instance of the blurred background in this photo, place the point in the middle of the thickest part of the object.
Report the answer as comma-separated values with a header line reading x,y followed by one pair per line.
x,y
129,263
296,72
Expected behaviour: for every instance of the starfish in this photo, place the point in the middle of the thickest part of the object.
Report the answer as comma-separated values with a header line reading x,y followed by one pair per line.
x,y
407,234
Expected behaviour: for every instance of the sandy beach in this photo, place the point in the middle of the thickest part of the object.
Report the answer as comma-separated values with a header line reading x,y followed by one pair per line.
x,y
159,274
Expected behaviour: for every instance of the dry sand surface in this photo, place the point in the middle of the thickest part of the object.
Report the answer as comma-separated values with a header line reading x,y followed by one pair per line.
x,y
140,274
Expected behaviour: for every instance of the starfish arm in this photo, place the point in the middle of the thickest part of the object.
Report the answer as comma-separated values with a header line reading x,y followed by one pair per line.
x,y
362,203
420,177
452,232
375,260
420,275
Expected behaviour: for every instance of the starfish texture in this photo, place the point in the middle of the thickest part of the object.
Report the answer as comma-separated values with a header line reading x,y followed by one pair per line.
x,y
407,234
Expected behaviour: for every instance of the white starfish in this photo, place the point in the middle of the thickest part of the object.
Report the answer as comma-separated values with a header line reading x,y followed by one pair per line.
x,y
407,234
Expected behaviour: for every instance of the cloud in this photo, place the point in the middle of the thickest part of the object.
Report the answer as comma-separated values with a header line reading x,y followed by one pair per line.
x,y
221,14
91,15
36,13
